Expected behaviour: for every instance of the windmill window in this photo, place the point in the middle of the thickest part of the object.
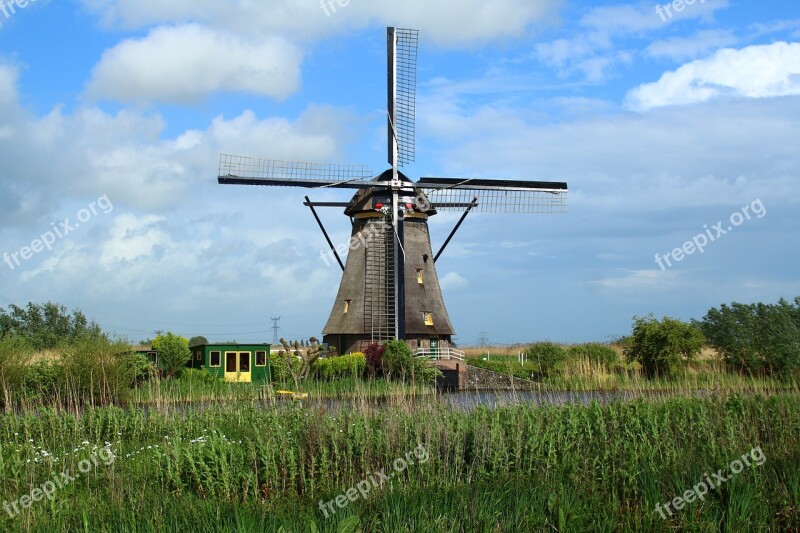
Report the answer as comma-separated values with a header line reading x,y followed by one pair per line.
x,y
420,276
428,318
347,306
214,359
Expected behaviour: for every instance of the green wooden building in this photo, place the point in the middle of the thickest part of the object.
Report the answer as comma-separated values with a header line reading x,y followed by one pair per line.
x,y
242,363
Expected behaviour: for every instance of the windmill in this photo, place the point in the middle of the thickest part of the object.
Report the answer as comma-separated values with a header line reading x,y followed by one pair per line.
x,y
389,288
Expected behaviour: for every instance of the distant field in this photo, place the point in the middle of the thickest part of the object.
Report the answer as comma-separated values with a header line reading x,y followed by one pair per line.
x,y
477,351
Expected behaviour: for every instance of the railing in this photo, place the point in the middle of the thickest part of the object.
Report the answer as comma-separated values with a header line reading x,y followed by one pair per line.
x,y
440,353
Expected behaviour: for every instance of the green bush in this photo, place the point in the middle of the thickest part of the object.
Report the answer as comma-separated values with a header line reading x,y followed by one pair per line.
x,y
662,347
399,362
173,353
756,338
548,358
194,375
280,368
139,366
601,354
344,366
43,380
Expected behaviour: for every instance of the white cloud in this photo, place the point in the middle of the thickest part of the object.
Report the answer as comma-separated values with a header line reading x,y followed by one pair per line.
x,y
640,280
720,153
8,84
134,238
445,22
452,280
593,52
626,19
753,72
185,64
691,47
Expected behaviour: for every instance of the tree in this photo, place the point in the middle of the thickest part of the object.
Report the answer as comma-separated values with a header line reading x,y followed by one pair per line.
x,y
197,341
46,326
173,352
291,353
756,338
662,347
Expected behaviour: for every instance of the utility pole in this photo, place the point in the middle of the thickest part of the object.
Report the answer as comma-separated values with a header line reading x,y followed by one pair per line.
x,y
275,328
483,339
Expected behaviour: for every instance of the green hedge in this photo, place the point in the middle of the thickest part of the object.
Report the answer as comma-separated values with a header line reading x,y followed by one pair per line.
x,y
344,366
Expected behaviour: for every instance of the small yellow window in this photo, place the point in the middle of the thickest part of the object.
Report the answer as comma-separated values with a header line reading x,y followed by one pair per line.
x,y
428,318
420,277
347,306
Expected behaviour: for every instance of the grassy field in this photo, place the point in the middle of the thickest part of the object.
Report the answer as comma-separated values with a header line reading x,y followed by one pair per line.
x,y
193,454
520,468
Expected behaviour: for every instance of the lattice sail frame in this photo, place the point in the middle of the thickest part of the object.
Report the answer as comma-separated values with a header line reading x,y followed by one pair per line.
x,y
402,73
498,201
288,173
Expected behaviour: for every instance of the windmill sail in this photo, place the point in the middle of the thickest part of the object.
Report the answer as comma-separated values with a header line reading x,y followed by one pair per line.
x,y
238,170
402,78
495,196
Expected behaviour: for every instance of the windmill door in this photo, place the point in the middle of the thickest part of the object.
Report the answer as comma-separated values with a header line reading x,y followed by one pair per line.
x,y
237,367
435,348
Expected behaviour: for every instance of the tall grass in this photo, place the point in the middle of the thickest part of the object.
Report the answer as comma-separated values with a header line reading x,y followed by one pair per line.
x,y
599,467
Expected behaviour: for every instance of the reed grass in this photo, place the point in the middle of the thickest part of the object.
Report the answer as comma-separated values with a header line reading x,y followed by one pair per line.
x,y
518,468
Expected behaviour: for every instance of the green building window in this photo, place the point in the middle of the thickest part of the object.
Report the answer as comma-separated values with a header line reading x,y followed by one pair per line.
x,y
214,359
261,358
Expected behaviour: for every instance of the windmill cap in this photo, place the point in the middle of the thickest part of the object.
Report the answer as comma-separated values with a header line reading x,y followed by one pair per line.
x,y
387,176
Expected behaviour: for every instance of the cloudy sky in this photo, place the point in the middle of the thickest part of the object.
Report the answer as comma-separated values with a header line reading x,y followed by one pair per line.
x,y
670,126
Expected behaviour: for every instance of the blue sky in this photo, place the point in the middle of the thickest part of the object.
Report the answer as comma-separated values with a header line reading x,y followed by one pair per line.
x,y
113,114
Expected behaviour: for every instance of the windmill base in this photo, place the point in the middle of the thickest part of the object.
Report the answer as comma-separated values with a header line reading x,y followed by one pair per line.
x,y
454,374
345,344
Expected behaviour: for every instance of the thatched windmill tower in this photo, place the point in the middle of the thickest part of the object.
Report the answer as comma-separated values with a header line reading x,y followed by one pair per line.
x,y
389,288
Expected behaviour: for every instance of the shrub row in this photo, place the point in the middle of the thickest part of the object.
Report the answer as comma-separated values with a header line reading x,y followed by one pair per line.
x,y
344,366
